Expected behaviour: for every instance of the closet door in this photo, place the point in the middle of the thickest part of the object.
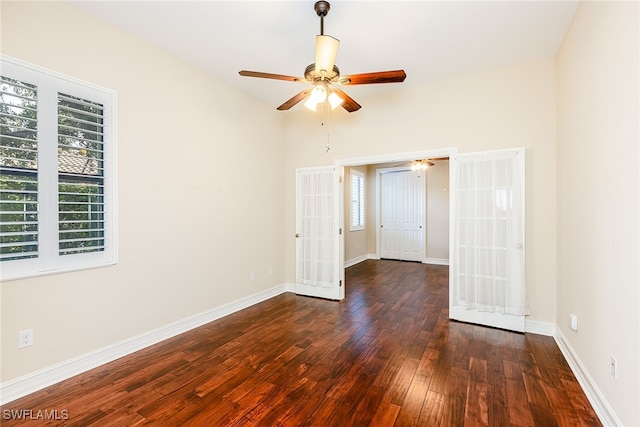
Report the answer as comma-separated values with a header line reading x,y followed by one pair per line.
x,y
402,215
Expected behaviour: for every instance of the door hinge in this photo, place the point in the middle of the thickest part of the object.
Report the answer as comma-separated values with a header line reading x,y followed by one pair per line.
x,y
340,231
340,179
340,283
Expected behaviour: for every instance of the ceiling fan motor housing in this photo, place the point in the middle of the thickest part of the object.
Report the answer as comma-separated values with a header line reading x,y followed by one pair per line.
x,y
312,76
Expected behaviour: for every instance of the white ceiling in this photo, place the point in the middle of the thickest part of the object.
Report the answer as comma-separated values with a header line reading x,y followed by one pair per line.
x,y
430,40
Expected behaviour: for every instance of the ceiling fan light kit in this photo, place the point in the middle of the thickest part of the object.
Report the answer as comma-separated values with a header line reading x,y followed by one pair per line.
x,y
421,165
323,73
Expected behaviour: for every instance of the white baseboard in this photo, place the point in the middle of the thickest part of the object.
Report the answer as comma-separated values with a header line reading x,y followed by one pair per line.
x,y
540,328
360,259
436,261
19,387
355,261
604,411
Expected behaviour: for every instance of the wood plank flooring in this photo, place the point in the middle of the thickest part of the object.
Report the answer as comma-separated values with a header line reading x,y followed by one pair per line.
x,y
385,356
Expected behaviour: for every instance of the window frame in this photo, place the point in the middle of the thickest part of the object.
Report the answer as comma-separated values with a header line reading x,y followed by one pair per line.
x,y
49,84
358,200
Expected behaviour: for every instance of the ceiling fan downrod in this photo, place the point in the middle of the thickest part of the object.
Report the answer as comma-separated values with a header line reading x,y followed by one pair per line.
x,y
322,8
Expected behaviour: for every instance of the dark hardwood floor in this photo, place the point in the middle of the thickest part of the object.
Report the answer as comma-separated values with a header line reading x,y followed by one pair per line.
x,y
385,356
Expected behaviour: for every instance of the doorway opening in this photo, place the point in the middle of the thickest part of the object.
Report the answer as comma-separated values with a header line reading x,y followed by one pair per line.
x,y
485,231
368,242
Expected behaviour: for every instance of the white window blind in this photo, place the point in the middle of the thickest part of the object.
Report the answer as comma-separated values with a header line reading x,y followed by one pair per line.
x,y
357,200
19,170
57,183
80,175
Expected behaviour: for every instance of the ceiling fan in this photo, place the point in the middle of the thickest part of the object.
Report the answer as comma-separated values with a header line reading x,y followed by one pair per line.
x,y
323,73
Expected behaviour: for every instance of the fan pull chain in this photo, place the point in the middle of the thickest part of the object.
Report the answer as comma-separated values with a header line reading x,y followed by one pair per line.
x,y
327,147
325,110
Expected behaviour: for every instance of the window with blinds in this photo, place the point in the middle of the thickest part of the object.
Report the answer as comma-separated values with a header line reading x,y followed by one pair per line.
x,y
18,170
57,182
357,200
80,175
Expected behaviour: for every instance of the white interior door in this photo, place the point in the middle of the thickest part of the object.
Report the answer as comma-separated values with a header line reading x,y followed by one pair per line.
x,y
318,232
402,215
487,283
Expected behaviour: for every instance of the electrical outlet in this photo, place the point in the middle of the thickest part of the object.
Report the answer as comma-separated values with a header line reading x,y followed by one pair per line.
x,y
614,367
252,276
573,322
269,271
25,338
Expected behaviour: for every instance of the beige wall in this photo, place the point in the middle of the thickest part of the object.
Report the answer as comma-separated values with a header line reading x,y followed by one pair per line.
x,y
372,196
190,222
438,211
598,197
355,242
509,107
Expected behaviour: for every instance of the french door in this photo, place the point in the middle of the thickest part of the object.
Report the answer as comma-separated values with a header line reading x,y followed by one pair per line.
x,y
319,264
487,283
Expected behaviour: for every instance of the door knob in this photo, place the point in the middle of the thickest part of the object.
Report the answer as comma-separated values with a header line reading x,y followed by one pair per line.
x,y
297,235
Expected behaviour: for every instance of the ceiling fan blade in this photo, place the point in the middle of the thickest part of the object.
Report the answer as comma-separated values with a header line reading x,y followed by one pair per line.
x,y
293,101
395,76
349,103
271,76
